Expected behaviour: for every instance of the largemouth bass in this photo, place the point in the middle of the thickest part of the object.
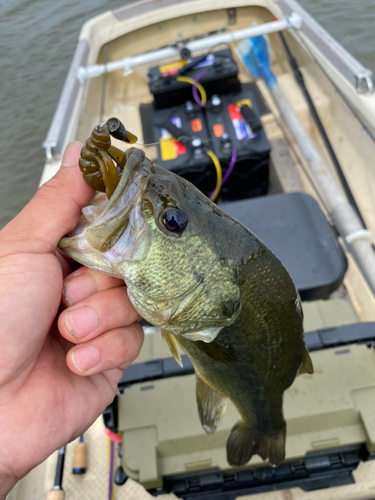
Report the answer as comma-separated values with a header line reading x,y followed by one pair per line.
x,y
212,287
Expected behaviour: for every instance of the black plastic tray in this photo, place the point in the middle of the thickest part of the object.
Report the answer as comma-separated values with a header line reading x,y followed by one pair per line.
x,y
317,470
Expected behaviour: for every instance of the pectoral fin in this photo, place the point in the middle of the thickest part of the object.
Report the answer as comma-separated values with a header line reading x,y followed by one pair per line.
x,y
204,335
173,346
211,405
306,365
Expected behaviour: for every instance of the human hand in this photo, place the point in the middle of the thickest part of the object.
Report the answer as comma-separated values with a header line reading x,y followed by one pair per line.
x,y
57,373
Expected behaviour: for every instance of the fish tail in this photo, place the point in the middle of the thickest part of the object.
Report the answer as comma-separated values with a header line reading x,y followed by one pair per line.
x,y
244,442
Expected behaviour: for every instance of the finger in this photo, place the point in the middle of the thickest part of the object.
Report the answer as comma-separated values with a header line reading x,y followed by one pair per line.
x,y
114,349
97,314
85,282
53,211
65,266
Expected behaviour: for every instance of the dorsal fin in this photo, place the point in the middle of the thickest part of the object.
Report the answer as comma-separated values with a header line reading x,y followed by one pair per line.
x,y
211,405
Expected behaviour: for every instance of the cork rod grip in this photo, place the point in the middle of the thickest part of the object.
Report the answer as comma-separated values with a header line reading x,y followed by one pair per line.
x,y
80,458
56,495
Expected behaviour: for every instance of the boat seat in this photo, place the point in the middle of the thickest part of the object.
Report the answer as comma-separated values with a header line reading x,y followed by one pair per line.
x,y
293,226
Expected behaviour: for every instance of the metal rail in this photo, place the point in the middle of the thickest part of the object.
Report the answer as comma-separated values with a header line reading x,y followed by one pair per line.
x,y
294,21
357,74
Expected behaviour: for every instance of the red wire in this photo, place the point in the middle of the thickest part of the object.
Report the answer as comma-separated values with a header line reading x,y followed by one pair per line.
x,y
113,436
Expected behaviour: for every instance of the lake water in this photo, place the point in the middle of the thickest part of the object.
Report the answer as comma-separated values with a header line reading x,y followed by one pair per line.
x,y
37,42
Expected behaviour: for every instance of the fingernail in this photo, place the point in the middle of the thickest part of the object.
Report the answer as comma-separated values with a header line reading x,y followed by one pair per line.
x,y
81,321
85,357
78,288
71,154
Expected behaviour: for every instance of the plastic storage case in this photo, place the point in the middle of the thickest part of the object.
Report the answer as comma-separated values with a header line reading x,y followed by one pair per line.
x,y
330,425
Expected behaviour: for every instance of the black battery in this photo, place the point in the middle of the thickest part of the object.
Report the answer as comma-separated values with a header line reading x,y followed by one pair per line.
x,y
181,133
219,75
240,143
229,126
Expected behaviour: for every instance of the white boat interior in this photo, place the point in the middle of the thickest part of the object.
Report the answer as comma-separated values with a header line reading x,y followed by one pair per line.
x,y
341,90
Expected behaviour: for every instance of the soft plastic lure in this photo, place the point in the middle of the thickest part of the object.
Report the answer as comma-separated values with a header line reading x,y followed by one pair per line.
x,y
102,163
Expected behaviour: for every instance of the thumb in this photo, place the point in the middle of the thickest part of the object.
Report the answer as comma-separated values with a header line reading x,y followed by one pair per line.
x,y
52,212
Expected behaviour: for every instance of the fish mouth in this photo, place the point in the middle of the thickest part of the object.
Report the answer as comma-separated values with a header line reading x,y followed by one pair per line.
x,y
112,231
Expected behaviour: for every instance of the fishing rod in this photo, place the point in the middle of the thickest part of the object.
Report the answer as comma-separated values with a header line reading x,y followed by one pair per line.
x,y
254,53
57,493
300,80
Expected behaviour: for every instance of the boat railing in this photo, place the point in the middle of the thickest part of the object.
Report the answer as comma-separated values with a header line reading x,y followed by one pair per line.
x,y
358,75
55,139
294,21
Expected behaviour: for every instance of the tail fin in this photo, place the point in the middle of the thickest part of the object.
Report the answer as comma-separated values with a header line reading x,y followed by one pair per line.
x,y
244,442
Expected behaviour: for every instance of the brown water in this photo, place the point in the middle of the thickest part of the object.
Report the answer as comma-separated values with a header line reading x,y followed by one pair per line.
x,y
37,42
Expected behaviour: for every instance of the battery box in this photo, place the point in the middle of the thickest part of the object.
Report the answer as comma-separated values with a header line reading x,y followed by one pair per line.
x,y
220,77
221,126
182,135
229,127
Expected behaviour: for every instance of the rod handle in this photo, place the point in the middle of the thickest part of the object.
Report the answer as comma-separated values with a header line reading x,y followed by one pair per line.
x,y
80,458
56,495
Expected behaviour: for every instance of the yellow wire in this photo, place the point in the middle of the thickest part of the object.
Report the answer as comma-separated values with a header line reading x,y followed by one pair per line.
x,y
219,174
198,85
210,153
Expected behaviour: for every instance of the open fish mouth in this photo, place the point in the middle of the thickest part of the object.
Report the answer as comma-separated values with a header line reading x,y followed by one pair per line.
x,y
112,231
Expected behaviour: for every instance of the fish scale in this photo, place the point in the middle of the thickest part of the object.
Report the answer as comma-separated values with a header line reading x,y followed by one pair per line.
x,y
151,277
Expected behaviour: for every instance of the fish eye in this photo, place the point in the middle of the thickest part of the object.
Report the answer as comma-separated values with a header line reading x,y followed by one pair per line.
x,y
174,219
